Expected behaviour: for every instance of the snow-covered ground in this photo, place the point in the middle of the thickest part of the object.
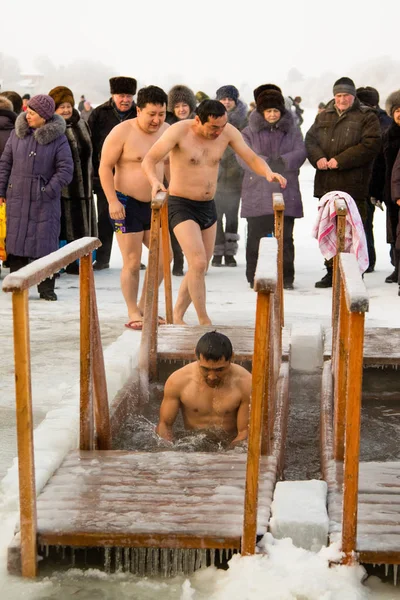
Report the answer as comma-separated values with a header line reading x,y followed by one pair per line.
x,y
288,572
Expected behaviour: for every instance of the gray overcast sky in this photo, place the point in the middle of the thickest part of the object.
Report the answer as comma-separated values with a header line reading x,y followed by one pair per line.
x,y
235,42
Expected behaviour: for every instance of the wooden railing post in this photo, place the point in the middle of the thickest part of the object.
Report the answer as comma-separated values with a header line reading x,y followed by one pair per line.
x,y
86,439
341,212
101,408
26,462
148,350
279,208
265,286
352,436
257,421
353,301
341,372
166,253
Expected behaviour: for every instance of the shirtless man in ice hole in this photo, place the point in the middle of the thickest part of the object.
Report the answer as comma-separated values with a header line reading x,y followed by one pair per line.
x,y
212,392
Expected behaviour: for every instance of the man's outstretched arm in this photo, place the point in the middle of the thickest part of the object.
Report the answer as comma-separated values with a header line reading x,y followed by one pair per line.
x,y
255,162
169,410
242,422
156,154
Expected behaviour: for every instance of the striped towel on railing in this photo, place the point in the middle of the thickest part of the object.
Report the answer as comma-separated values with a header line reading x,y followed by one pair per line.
x,y
324,229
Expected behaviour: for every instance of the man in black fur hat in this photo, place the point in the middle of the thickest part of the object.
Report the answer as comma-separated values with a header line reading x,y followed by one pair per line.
x,y
342,145
120,107
229,187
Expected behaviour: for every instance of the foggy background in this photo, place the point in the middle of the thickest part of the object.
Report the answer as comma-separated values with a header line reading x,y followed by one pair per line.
x,y
301,46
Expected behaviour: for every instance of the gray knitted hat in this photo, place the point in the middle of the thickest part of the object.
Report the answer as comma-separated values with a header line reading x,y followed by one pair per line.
x,y
344,85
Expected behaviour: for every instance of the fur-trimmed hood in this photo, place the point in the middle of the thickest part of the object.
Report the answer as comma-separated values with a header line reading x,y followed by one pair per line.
x,y
258,123
50,131
238,116
181,93
392,102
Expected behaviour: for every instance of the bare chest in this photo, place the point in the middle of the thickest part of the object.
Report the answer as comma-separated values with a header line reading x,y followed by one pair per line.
x,y
210,401
193,153
137,145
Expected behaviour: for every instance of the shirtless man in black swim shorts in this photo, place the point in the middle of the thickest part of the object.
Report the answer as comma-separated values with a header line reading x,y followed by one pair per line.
x,y
128,190
195,147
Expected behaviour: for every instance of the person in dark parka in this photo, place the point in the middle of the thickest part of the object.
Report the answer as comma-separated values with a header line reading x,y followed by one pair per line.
x,y
120,107
7,121
395,193
273,135
36,164
381,182
78,215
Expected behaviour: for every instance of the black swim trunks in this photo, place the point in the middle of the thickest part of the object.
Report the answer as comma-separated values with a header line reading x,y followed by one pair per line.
x,y
180,209
137,215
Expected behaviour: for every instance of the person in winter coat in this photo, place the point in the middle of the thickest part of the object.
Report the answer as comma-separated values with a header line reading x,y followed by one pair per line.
x,y
120,107
381,180
7,121
342,145
78,216
230,177
273,135
86,110
181,106
15,100
35,166
395,193
369,96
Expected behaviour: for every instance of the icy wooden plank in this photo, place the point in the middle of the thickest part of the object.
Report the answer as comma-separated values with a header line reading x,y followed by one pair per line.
x,y
356,292
266,276
381,346
299,512
278,202
45,267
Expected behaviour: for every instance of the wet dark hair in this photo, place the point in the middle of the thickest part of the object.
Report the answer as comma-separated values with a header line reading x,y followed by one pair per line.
x,y
214,346
210,108
15,99
151,95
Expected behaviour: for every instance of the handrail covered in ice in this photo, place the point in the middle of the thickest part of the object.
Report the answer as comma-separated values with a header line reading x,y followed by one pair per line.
x,y
94,413
347,365
148,346
266,364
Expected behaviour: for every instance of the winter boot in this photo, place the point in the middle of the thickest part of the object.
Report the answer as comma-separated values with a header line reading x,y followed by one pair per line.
x,y
326,281
393,277
230,261
231,248
217,260
218,254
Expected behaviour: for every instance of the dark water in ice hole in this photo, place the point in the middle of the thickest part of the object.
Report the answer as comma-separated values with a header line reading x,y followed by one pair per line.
x,y
380,421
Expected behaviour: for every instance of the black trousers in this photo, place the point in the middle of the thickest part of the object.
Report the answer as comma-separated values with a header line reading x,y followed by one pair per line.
x,y
104,226
228,205
17,262
259,227
369,234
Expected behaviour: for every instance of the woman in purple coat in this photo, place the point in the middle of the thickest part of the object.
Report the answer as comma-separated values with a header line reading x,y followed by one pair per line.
x,y
35,165
273,135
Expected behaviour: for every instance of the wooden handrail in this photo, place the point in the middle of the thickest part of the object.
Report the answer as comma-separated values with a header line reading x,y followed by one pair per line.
x,y
265,284
348,383
92,375
148,346
45,267
278,204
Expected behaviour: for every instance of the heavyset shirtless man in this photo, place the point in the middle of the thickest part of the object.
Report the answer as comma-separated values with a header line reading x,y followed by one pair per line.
x,y
212,393
128,190
195,148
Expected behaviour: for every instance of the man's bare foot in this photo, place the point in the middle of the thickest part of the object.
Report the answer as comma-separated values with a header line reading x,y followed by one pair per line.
x,y
178,320
135,316
205,321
